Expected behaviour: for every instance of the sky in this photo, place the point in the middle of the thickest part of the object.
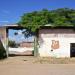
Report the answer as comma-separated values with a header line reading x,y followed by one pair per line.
x,y
20,37
12,10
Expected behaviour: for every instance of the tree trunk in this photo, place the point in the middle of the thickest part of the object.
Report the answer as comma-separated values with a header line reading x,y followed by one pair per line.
x,y
35,46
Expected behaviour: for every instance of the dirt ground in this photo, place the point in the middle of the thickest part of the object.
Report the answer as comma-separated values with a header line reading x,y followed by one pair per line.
x,y
36,60
35,66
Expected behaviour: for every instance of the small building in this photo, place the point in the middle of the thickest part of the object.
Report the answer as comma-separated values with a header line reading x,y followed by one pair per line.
x,y
56,42
52,41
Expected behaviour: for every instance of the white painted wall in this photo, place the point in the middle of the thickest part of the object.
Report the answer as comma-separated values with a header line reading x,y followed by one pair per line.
x,y
19,50
64,36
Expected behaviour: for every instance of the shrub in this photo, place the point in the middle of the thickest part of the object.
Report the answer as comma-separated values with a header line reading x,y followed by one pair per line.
x,y
2,51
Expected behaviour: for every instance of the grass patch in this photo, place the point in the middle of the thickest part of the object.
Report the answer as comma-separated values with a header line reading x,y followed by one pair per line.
x,y
49,60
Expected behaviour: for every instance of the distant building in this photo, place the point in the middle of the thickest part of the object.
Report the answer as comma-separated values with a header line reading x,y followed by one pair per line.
x,y
27,44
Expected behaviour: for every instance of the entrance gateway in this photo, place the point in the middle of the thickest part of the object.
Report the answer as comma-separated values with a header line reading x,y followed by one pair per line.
x,y
22,48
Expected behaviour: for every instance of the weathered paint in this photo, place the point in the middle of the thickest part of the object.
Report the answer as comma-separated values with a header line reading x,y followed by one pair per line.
x,y
55,42
3,36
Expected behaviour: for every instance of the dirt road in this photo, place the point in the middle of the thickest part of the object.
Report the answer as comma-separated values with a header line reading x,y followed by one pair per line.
x,y
37,69
24,66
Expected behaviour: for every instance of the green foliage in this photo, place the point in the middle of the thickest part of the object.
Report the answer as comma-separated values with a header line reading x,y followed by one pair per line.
x,y
59,17
11,43
2,51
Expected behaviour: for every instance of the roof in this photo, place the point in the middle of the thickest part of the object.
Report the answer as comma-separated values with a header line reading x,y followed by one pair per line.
x,y
9,25
12,26
47,25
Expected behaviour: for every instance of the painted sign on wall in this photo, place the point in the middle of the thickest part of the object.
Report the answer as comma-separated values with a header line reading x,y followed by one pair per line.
x,y
55,44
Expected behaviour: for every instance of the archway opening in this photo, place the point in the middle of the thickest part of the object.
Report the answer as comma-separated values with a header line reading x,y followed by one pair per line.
x,y
18,44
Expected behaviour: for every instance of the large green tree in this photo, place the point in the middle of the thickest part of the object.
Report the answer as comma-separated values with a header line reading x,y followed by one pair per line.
x,y
58,17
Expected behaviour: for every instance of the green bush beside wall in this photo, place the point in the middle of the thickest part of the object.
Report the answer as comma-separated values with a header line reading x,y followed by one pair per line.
x,y
2,51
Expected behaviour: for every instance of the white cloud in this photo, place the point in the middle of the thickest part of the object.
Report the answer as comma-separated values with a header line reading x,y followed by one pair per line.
x,y
19,32
11,38
22,38
5,11
4,21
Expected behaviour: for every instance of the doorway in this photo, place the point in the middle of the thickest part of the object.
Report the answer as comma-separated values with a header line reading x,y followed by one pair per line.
x,y
72,50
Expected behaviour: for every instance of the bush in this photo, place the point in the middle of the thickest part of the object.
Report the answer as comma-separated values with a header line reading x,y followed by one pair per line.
x,y
2,51
11,43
